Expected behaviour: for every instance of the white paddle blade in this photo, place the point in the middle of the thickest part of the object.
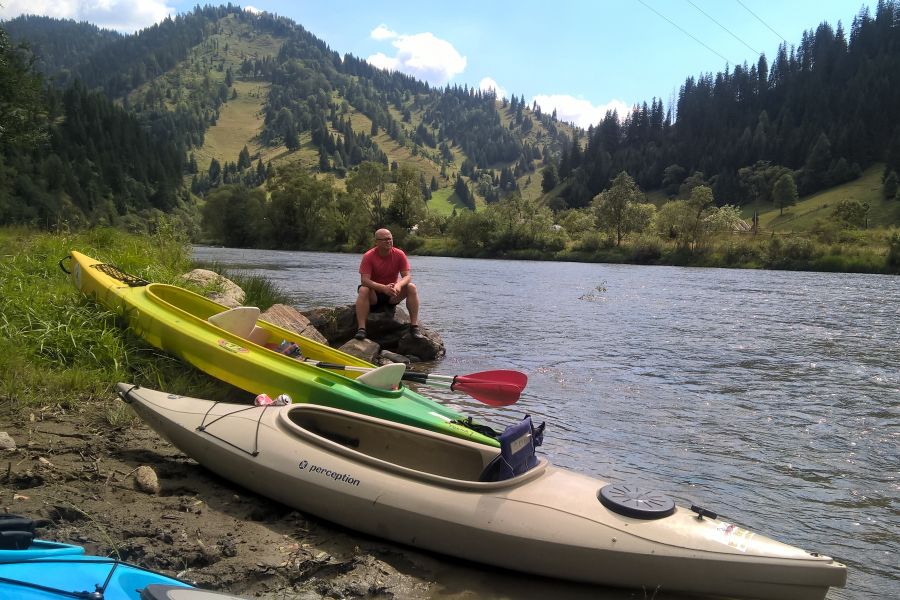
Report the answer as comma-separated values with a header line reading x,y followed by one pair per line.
x,y
387,377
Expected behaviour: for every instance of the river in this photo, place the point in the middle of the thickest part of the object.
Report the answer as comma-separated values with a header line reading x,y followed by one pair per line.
x,y
769,397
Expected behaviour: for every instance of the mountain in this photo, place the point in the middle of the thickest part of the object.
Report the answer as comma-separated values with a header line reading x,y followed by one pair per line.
x,y
238,96
315,106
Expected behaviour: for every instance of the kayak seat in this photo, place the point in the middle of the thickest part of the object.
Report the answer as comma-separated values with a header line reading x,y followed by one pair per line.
x,y
240,321
517,455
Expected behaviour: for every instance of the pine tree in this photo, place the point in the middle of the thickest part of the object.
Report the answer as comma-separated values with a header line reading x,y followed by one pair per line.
x,y
549,178
243,159
215,172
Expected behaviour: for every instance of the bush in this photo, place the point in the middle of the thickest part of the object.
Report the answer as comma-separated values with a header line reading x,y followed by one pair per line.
x,y
742,252
646,249
862,263
593,241
790,253
893,256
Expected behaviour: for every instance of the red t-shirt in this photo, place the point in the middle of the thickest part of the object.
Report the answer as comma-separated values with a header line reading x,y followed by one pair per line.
x,y
384,270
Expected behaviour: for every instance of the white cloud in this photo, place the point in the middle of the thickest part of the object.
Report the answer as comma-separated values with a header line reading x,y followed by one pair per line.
x,y
126,16
424,56
488,83
382,33
252,9
578,110
383,62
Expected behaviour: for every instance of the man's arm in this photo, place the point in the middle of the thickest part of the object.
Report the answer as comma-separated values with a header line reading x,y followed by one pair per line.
x,y
405,277
366,280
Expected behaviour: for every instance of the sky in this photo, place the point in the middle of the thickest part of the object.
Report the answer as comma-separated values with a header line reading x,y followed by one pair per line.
x,y
579,57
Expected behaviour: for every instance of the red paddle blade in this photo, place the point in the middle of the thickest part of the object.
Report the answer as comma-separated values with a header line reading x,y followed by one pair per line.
x,y
494,388
505,376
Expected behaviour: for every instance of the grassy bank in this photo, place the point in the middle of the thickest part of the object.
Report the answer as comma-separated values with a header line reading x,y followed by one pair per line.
x,y
848,251
58,348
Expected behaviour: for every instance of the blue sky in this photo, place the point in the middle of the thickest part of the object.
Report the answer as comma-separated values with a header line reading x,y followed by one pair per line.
x,y
580,57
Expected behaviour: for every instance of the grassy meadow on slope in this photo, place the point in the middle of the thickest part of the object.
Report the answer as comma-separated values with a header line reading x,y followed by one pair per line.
x,y
238,125
811,212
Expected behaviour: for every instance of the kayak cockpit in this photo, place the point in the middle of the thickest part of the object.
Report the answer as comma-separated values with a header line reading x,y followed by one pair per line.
x,y
419,453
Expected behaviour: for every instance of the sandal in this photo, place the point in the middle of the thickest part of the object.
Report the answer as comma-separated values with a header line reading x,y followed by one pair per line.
x,y
360,334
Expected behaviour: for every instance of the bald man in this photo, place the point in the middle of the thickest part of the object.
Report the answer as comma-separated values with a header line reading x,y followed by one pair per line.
x,y
385,281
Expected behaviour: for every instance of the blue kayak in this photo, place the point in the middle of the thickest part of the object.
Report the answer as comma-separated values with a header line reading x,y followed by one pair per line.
x,y
32,569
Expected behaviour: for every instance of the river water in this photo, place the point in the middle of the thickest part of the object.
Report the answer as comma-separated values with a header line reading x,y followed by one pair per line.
x,y
769,397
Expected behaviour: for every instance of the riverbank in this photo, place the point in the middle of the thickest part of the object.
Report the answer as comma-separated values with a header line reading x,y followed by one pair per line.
x,y
876,252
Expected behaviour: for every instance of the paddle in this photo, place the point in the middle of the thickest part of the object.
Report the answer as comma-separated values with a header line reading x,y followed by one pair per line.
x,y
494,388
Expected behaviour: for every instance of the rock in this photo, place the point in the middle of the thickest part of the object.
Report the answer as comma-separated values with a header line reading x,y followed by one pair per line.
x,y
146,480
219,288
388,328
428,347
337,324
6,442
290,318
392,357
365,349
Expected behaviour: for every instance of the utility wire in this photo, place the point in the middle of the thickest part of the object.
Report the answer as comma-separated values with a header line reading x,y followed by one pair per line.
x,y
723,27
685,32
761,21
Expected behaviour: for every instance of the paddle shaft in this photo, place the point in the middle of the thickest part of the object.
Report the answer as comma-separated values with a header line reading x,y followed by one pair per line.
x,y
445,380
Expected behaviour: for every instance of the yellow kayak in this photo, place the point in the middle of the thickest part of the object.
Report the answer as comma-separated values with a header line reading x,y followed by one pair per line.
x,y
204,334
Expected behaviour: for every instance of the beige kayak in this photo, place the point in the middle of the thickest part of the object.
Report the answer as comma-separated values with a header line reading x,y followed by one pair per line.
x,y
457,497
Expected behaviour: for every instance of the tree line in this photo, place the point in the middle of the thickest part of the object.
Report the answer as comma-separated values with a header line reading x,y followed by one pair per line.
x,y
823,111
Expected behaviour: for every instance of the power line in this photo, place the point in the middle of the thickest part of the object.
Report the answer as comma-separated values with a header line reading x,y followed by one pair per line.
x,y
685,32
761,21
723,27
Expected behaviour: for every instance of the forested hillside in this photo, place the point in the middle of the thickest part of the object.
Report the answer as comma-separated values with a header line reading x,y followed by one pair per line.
x,y
823,110
256,116
57,46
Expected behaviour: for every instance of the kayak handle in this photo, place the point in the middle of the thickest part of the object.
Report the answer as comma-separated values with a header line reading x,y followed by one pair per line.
x,y
702,512
65,270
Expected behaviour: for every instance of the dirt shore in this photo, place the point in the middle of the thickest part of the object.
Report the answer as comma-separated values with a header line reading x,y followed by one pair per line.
x,y
75,475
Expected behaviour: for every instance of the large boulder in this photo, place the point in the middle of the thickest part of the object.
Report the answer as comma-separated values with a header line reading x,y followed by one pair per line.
x,y
388,328
217,287
292,319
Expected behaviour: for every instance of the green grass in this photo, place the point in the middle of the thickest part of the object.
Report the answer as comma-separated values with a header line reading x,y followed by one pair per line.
x,y
443,201
812,211
240,121
260,292
57,347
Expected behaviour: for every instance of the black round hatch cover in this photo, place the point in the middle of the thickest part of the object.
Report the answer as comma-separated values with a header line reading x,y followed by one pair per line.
x,y
632,501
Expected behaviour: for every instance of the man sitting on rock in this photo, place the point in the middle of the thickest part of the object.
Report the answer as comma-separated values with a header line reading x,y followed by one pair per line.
x,y
385,281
